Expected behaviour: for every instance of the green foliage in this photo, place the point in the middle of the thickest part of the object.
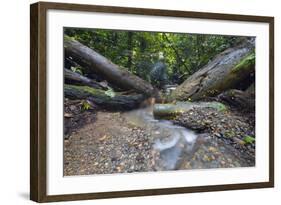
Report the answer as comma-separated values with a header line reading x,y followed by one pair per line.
x,y
77,70
85,105
110,93
248,139
138,51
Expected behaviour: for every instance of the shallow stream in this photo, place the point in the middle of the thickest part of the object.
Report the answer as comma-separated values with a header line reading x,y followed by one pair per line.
x,y
182,148
171,141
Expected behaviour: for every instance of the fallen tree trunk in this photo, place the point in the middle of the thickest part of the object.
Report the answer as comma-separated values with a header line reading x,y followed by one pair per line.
x,y
172,110
105,99
232,69
97,63
240,99
71,77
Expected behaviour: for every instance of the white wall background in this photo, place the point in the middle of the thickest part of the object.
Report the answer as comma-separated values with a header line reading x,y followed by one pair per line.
x,y
14,101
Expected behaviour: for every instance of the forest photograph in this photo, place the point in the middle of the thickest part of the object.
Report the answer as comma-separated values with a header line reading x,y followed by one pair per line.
x,y
141,101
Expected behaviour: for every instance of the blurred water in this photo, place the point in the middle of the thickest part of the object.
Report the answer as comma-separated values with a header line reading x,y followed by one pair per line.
x,y
169,139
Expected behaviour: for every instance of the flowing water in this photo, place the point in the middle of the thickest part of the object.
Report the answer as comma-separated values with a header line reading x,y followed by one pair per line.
x,y
181,148
170,140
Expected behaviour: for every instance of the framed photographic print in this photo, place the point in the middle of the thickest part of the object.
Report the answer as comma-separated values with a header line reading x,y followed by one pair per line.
x,y
134,102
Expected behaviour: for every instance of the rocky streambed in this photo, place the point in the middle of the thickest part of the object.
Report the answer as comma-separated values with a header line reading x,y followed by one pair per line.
x,y
135,141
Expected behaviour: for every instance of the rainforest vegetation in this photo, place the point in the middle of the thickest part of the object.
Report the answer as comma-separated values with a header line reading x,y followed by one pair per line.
x,y
151,101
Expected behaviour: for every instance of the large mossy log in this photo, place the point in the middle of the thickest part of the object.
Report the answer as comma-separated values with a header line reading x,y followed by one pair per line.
x,y
232,69
172,110
105,99
97,63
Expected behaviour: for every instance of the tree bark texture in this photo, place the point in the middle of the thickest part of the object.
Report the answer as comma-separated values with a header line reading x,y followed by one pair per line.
x,y
71,77
96,63
232,69
102,98
172,110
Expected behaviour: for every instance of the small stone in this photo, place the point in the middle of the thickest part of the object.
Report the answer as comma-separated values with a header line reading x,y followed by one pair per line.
x,y
212,149
118,168
216,134
238,141
68,115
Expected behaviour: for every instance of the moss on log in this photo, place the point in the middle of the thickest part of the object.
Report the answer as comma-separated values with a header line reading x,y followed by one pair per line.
x,y
232,69
98,64
106,99
172,110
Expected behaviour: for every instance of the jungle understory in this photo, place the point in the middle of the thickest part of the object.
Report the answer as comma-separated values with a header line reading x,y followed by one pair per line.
x,y
118,121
